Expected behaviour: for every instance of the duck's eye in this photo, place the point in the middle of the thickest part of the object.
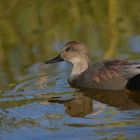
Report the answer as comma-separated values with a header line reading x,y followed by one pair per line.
x,y
68,49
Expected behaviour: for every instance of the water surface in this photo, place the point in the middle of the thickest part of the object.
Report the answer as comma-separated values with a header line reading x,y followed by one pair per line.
x,y
45,106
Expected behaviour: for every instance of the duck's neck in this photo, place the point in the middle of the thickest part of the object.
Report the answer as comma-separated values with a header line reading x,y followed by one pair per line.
x,y
79,68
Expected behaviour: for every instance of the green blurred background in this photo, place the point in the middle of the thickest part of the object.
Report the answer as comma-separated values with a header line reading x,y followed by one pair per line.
x,y
32,31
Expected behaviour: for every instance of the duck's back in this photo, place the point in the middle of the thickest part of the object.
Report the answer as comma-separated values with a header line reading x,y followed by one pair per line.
x,y
110,74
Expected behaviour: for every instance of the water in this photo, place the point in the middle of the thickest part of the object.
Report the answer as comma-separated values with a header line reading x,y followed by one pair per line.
x,y
36,101
46,107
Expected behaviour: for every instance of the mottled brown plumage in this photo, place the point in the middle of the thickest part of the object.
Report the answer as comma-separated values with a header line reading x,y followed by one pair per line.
x,y
111,69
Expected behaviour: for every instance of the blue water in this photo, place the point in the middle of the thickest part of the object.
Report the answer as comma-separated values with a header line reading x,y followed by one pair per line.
x,y
43,106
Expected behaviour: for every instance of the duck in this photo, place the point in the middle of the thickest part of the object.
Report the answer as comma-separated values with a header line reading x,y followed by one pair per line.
x,y
113,74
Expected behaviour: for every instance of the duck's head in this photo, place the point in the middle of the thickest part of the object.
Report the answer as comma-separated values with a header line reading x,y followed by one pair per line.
x,y
73,52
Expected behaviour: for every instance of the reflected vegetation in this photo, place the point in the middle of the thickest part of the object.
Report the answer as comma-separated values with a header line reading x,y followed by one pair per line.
x,y
36,102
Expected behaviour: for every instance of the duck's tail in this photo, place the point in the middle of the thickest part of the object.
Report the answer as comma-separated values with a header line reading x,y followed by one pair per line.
x,y
133,74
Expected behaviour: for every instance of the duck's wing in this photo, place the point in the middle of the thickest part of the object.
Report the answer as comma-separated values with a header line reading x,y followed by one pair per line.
x,y
116,71
109,69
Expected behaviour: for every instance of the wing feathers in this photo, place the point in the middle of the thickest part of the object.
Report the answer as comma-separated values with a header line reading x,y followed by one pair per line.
x,y
110,69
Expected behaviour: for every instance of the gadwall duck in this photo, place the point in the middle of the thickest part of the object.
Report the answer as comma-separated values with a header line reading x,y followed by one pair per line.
x,y
114,74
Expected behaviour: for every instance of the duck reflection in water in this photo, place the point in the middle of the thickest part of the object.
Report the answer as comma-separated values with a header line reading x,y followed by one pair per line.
x,y
80,106
84,101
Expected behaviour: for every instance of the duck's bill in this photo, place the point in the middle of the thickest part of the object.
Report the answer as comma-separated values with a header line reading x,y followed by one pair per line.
x,y
55,60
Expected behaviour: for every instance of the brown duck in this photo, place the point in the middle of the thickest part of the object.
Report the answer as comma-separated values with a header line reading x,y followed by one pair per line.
x,y
115,74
